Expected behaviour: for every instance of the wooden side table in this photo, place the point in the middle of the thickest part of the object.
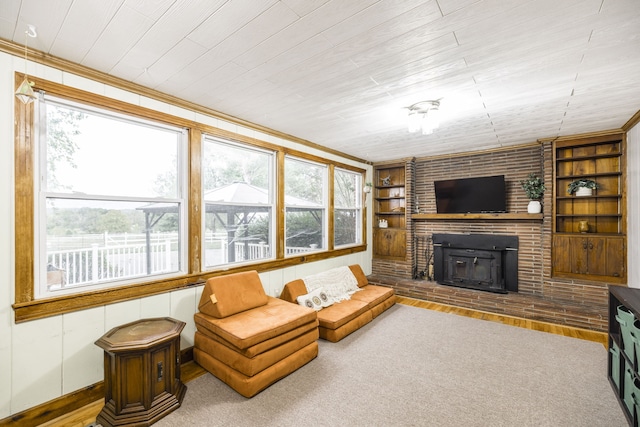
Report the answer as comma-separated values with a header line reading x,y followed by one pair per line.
x,y
141,372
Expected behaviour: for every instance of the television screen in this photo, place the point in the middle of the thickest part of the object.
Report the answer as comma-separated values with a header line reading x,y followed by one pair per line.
x,y
471,195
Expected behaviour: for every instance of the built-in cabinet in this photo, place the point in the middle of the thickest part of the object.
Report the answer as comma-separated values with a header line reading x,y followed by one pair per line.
x,y
390,224
589,240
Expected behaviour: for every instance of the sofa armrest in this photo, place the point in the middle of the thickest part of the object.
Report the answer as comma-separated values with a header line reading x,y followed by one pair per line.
x,y
293,290
359,275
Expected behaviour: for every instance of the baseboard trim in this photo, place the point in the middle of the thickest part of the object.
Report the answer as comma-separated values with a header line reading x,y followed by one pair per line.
x,y
68,403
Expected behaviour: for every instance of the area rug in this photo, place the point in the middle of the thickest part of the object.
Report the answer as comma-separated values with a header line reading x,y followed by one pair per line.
x,y
417,367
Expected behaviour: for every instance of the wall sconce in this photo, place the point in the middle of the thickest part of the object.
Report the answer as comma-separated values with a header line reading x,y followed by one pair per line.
x,y
25,91
424,116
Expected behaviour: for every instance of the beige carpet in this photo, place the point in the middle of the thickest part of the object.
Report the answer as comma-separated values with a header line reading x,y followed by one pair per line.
x,y
416,367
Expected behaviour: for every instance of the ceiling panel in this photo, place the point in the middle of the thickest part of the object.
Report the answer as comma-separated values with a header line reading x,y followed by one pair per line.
x,y
340,73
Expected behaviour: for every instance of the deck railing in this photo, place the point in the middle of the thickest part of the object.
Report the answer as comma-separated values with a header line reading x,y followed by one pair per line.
x,y
73,267
119,257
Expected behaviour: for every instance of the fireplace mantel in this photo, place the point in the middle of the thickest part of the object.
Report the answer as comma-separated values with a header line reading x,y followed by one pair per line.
x,y
479,216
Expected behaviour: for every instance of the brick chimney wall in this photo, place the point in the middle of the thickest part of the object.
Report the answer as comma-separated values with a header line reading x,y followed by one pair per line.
x,y
563,301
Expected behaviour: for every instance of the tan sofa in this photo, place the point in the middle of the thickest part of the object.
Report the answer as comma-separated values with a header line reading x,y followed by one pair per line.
x,y
248,339
344,317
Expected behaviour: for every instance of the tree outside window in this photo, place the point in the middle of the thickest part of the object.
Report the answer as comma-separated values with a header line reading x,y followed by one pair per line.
x,y
305,192
239,203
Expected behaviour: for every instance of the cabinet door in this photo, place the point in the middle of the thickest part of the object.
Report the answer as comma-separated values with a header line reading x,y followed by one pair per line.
x,y
599,256
389,243
161,371
606,256
563,254
578,251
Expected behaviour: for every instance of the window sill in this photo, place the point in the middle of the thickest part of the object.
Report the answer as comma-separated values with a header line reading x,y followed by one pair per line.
x,y
47,307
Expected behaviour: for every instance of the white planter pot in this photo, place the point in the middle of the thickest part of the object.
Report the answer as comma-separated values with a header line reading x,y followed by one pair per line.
x,y
534,207
582,191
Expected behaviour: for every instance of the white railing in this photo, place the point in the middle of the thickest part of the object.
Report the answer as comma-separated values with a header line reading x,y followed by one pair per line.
x,y
297,250
257,251
124,256
253,251
104,263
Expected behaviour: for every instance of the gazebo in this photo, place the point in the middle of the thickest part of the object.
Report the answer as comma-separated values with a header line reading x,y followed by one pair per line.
x,y
235,205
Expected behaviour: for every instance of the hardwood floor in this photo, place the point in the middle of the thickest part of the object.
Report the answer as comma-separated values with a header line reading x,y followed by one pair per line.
x,y
567,331
86,415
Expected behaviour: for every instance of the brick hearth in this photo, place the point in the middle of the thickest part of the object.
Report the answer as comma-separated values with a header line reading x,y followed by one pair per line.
x,y
511,304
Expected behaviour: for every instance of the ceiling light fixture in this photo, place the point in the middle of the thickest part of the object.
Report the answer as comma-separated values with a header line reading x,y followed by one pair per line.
x,y
424,116
25,91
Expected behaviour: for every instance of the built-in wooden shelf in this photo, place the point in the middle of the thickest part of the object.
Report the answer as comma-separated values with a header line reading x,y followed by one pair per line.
x,y
491,216
589,156
594,197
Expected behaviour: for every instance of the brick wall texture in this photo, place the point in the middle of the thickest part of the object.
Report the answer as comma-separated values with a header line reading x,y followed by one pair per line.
x,y
540,296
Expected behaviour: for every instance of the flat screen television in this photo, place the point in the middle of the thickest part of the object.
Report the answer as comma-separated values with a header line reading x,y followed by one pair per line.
x,y
471,195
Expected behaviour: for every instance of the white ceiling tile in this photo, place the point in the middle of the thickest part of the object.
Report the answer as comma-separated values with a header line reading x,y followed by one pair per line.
x,y
120,35
9,13
152,9
47,17
304,7
228,19
171,63
308,26
82,26
340,73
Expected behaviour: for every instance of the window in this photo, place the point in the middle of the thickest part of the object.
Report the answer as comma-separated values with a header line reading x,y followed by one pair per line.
x,y
305,199
104,212
239,202
347,201
110,206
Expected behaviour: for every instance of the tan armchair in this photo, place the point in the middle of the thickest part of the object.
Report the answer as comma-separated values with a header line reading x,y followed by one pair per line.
x,y
248,339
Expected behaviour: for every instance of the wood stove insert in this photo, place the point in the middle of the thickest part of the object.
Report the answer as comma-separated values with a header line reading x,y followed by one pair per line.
x,y
479,261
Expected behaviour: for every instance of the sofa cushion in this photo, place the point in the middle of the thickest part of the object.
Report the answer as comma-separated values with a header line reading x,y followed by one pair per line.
x,y
227,295
359,275
203,326
250,386
293,290
250,366
373,295
340,313
250,327
335,335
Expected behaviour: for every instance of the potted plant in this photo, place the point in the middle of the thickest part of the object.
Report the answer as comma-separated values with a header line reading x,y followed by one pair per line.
x,y
582,187
534,187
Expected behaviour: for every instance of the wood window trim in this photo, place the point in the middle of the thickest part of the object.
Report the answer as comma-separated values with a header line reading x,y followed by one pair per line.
x,y
26,307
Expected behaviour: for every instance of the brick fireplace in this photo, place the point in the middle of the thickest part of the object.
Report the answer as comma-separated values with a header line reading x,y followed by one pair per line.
x,y
540,296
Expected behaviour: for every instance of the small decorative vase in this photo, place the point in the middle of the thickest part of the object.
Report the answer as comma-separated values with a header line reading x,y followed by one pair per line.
x,y
583,191
583,226
534,206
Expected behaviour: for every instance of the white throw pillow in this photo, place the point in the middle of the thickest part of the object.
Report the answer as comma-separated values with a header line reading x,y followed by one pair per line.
x,y
317,299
